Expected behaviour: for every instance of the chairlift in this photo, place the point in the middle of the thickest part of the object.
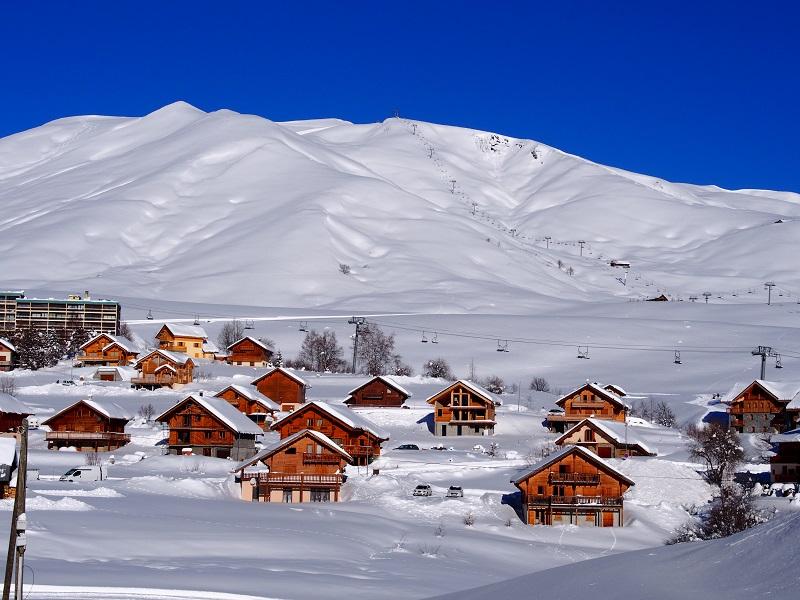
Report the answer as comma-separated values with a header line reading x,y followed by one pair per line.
x,y
502,347
424,340
677,359
149,315
778,363
304,326
249,324
196,320
435,338
583,352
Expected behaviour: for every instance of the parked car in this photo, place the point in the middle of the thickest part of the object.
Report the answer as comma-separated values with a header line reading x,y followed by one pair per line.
x,y
455,491
68,382
84,473
423,490
407,447
439,447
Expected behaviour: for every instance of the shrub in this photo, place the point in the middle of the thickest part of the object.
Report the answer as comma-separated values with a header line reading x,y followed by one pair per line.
x,y
540,384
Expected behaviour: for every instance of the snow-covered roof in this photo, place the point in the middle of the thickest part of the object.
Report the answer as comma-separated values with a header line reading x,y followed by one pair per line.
x,y
9,404
566,450
221,409
210,347
286,372
340,412
786,436
125,373
251,394
8,451
110,410
278,446
615,430
597,389
474,387
165,366
181,330
617,389
123,343
177,357
257,342
387,380
7,344
782,391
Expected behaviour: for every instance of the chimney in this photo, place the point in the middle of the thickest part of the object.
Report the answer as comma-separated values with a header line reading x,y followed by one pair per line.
x,y
201,393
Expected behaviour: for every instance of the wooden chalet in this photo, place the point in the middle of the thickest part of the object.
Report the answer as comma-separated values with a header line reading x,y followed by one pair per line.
x,y
784,467
187,339
8,464
102,373
210,426
463,408
589,400
763,406
573,486
258,408
162,368
607,439
12,412
88,425
359,437
283,386
305,467
380,392
107,350
249,352
8,355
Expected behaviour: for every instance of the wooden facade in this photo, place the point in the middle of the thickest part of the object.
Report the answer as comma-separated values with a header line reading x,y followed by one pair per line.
x,y
588,401
764,407
304,467
282,386
258,408
88,425
359,438
249,352
8,355
8,464
463,408
573,487
186,339
784,467
378,392
106,350
161,368
12,412
209,426
607,439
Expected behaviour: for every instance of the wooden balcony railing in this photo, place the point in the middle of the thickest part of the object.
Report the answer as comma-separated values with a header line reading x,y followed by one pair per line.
x,y
573,500
296,479
361,450
154,380
111,436
574,478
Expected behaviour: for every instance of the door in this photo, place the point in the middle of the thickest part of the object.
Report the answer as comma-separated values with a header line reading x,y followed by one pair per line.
x,y
604,451
608,519
444,430
458,432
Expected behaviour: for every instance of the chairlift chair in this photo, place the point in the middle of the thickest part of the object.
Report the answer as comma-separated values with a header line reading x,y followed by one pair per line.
x,y
502,347
304,326
196,320
149,315
778,363
249,324
435,338
677,360
583,352
424,340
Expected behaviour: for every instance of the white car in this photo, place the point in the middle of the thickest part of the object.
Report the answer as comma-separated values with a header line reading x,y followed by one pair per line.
x,y
455,491
84,473
423,490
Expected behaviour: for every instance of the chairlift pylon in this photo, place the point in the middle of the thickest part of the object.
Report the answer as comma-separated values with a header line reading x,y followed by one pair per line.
x,y
677,359
583,352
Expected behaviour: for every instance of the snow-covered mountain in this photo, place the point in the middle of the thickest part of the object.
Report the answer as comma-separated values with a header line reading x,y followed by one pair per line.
x,y
236,209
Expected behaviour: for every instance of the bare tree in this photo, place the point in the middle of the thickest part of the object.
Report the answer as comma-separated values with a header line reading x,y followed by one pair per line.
x,y
718,448
401,368
438,367
147,412
231,332
375,350
8,385
663,415
540,384
321,352
124,330
495,384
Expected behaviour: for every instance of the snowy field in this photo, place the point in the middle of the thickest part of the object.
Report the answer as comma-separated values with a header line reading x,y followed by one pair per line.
x,y
174,523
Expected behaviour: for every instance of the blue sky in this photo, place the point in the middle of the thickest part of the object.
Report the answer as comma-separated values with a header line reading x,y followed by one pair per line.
x,y
702,92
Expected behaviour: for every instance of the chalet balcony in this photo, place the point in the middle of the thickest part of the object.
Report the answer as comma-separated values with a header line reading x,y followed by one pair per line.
x,y
321,459
574,500
154,380
92,356
361,451
581,478
82,436
294,479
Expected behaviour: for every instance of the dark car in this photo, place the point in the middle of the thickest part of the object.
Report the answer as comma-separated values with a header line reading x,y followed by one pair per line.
x,y
407,447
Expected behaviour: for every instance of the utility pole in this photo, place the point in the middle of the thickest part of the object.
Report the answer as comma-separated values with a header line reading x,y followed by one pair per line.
x,y
358,322
16,536
581,243
763,352
769,285
547,239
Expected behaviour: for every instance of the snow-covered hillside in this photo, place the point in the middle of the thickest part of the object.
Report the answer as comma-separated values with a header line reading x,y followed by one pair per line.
x,y
236,209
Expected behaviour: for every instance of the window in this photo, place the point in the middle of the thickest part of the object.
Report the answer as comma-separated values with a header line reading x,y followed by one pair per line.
x,y
207,435
320,422
222,435
187,420
540,490
320,495
309,448
287,495
181,344
309,423
439,412
291,451
196,344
